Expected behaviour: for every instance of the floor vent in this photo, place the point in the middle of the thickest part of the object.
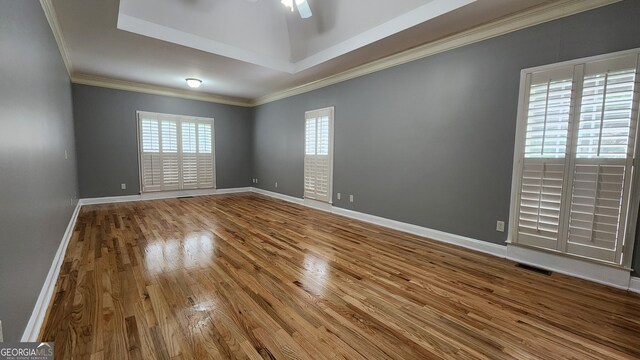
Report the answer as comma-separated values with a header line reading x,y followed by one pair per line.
x,y
534,269
185,197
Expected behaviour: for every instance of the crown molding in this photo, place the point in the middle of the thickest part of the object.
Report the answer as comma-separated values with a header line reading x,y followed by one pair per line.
x,y
521,20
52,18
94,80
111,83
518,21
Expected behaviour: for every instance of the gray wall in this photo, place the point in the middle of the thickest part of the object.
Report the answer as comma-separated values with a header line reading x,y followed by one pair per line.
x,y
36,182
105,125
431,142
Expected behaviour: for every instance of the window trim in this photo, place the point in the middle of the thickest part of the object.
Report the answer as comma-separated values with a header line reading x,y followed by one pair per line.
x,y
138,117
518,156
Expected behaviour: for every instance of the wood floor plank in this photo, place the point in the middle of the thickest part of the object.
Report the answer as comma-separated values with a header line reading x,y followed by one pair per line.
x,y
245,276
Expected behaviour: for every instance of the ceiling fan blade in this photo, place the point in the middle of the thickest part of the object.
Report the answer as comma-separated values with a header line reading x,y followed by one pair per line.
x,y
303,9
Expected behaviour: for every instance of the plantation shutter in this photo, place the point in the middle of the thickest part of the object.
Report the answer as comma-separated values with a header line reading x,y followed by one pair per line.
x,y
150,159
548,109
603,158
169,155
189,156
310,158
318,154
176,152
206,169
577,159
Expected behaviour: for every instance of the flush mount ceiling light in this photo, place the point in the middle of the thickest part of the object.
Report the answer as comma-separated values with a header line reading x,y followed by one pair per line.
x,y
303,7
193,83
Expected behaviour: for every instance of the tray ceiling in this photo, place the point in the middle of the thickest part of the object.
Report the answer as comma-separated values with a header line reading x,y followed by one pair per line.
x,y
247,49
264,33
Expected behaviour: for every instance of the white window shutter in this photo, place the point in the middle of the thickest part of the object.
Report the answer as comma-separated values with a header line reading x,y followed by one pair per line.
x,y
169,155
603,159
323,161
150,160
596,209
577,157
176,152
549,106
318,159
541,202
189,155
206,170
310,157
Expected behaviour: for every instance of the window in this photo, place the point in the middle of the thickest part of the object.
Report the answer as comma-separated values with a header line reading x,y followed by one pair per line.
x,y
574,163
318,159
176,152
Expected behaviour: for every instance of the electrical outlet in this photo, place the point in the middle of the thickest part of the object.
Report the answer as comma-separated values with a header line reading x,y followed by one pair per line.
x,y
123,186
276,184
339,196
500,226
257,181
350,198
66,154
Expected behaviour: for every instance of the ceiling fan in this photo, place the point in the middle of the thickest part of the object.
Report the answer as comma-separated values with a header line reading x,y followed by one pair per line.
x,y
303,7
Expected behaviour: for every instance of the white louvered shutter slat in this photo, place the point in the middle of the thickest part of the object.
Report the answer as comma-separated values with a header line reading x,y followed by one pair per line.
x,y
548,119
310,176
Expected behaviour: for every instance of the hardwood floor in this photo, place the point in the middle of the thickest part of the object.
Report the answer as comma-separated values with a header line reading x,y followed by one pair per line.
x,y
246,276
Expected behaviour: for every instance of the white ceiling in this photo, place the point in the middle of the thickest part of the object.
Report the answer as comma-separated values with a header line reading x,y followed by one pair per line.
x,y
246,49
264,33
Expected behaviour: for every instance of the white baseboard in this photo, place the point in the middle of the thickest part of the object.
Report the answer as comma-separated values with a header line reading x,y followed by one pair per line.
x,y
469,243
161,195
288,198
466,242
318,205
32,330
599,273
634,284
603,274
